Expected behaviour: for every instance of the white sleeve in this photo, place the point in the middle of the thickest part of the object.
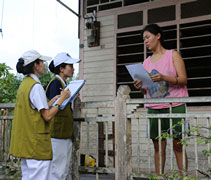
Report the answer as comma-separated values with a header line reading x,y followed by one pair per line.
x,y
38,97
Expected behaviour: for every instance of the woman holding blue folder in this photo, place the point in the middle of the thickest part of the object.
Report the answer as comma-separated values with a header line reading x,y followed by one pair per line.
x,y
62,123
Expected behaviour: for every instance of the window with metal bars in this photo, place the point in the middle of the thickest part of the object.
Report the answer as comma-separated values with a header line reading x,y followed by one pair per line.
x,y
195,48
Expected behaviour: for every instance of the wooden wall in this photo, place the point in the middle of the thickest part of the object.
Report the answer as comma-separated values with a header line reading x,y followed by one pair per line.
x,y
99,64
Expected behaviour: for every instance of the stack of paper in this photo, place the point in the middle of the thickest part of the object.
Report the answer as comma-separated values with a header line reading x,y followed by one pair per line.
x,y
138,72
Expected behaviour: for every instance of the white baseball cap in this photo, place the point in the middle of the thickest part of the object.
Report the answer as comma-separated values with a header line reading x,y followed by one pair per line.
x,y
32,55
64,58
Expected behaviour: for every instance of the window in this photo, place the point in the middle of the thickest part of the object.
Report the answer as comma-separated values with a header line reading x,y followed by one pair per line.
x,y
130,49
195,48
130,19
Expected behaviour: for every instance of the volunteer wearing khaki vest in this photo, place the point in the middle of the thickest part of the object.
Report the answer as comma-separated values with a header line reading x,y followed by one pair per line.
x,y
62,123
30,139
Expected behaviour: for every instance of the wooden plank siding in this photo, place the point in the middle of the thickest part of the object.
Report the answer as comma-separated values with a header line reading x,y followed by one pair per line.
x,y
98,64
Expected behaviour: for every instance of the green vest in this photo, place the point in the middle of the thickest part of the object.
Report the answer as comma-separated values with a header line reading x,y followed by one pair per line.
x,y
30,132
62,124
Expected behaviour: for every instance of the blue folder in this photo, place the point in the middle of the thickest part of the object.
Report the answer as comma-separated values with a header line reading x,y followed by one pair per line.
x,y
74,87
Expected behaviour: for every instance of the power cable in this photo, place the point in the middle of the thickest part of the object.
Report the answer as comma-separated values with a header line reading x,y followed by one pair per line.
x,y
2,13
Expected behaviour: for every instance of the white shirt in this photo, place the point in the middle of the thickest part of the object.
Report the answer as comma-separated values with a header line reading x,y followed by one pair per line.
x,y
66,86
37,95
61,80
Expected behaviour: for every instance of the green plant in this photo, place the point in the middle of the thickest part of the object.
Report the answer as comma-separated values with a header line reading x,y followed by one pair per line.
x,y
9,84
193,132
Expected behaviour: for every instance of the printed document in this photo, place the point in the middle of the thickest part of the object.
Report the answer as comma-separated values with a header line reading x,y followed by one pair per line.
x,y
74,87
138,72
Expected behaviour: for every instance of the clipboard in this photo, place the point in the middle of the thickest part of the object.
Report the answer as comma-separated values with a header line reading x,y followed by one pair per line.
x,y
74,87
138,72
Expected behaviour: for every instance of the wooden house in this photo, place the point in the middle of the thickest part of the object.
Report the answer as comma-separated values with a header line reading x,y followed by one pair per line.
x,y
110,38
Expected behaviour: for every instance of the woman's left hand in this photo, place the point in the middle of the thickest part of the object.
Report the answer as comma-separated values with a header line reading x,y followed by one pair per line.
x,y
56,97
157,77
50,103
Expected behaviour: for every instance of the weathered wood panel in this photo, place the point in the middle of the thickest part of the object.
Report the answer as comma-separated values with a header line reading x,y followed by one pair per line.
x,y
98,53
94,87
99,81
99,69
98,93
99,58
97,64
99,75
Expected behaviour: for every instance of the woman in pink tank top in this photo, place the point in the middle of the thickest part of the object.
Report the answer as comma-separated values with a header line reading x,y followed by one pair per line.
x,y
167,70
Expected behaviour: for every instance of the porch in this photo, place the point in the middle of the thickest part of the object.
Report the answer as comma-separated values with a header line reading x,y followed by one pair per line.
x,y
133,151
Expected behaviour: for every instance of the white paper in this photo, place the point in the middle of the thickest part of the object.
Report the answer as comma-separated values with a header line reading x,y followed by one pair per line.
x,y
138,72
74,87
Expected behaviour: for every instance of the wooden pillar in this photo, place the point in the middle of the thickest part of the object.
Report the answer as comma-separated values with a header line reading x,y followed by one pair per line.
x,y
122,135
74,164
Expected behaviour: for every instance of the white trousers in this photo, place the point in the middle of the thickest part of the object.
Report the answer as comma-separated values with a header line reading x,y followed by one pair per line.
x,y
35,169
62,155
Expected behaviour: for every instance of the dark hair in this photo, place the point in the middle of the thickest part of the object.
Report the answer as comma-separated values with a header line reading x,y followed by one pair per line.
x,y
56,70
28,69
154,29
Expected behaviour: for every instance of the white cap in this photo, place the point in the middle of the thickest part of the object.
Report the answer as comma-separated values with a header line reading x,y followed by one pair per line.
x,y
64,58
32,55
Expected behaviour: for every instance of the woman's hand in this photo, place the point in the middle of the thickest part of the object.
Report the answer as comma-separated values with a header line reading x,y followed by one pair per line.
x,y
157,77
55,98
137,84
50,103
65,94
48,114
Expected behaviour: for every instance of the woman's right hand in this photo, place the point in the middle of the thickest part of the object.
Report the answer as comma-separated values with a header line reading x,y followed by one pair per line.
x,y
65,94
137,84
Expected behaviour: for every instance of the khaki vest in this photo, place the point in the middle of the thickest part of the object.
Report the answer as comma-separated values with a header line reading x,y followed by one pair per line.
x,y
30,132
62,124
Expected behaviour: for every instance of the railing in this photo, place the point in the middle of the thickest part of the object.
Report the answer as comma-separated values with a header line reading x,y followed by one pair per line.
x,y
6,117
132,118
95,113
133,151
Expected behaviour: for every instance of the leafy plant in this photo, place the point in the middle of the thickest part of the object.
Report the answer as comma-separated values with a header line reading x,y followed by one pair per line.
x,y
9,84
193,132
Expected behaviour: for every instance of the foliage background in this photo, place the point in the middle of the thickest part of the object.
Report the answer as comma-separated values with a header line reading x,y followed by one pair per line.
x,y
9,84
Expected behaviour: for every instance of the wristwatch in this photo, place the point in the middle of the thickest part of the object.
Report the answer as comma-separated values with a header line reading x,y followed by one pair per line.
x,y
58,105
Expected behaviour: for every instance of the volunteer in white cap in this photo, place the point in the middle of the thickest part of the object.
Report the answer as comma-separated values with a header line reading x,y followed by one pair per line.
x,y
30,139
62,123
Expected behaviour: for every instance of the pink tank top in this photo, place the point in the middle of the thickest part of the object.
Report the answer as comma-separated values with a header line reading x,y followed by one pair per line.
x,y
163,89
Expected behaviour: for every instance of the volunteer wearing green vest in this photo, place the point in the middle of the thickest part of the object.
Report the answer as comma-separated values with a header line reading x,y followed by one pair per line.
x,y
62,123
30,139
